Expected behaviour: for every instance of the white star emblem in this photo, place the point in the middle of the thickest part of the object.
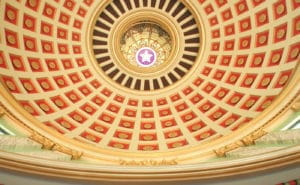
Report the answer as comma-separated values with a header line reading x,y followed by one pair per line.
x,y
146,56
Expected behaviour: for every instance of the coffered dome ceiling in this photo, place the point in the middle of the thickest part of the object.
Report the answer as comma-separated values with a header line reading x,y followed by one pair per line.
x,y
150,78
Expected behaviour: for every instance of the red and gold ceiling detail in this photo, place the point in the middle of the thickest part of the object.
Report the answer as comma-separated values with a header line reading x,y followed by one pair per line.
x,y
222,63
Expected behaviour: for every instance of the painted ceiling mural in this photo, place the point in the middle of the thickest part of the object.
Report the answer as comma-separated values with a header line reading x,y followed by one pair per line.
x,y
147,75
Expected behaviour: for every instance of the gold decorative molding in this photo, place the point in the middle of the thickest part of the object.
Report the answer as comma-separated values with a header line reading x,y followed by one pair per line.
x,y
250,139
75,154
47,143
296,105
221,152
148,162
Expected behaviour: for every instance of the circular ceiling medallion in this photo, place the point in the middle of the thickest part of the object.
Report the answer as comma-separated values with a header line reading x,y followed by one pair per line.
x,y
146,57
174,51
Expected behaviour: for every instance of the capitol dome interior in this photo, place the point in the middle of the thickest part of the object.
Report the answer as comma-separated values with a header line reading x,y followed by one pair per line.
x,y
144,91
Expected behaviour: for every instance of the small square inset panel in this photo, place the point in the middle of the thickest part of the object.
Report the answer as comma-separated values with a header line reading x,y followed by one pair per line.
x,y
241,60
248,80
28,85
90,137
69,4
129,113
11,38
107,118
250,102
29,22
47,46
98,100
213,21
11,84
279,8
217,114
196,126
245,24
33,4
196,98
35,64
208,9
172,134
147,125
233,77
73,96
85,90
245,42
49,11
177,144
296,25
230,120
265,81
30,43
221,93
294,52
113,108
226,14
283,78
206,106
198,81
265,103
148,147
181,107
235,98
29,108
89,109
168,123
46,28
99,128
45,84
44,106
262,17
165,112
188,116
119,98
205,135
78,117
280,33
64,18
74,77
59,101
215,33
126,123
225,60
175,97
275,57
257,60
123,135
65,124
118,145
186,91
81,12
212,59
62,33
148,137
262,39
241,7
229,29
17,62
229,45
11,14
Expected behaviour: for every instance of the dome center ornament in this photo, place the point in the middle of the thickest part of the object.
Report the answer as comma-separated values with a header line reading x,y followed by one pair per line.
x,y
145,57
